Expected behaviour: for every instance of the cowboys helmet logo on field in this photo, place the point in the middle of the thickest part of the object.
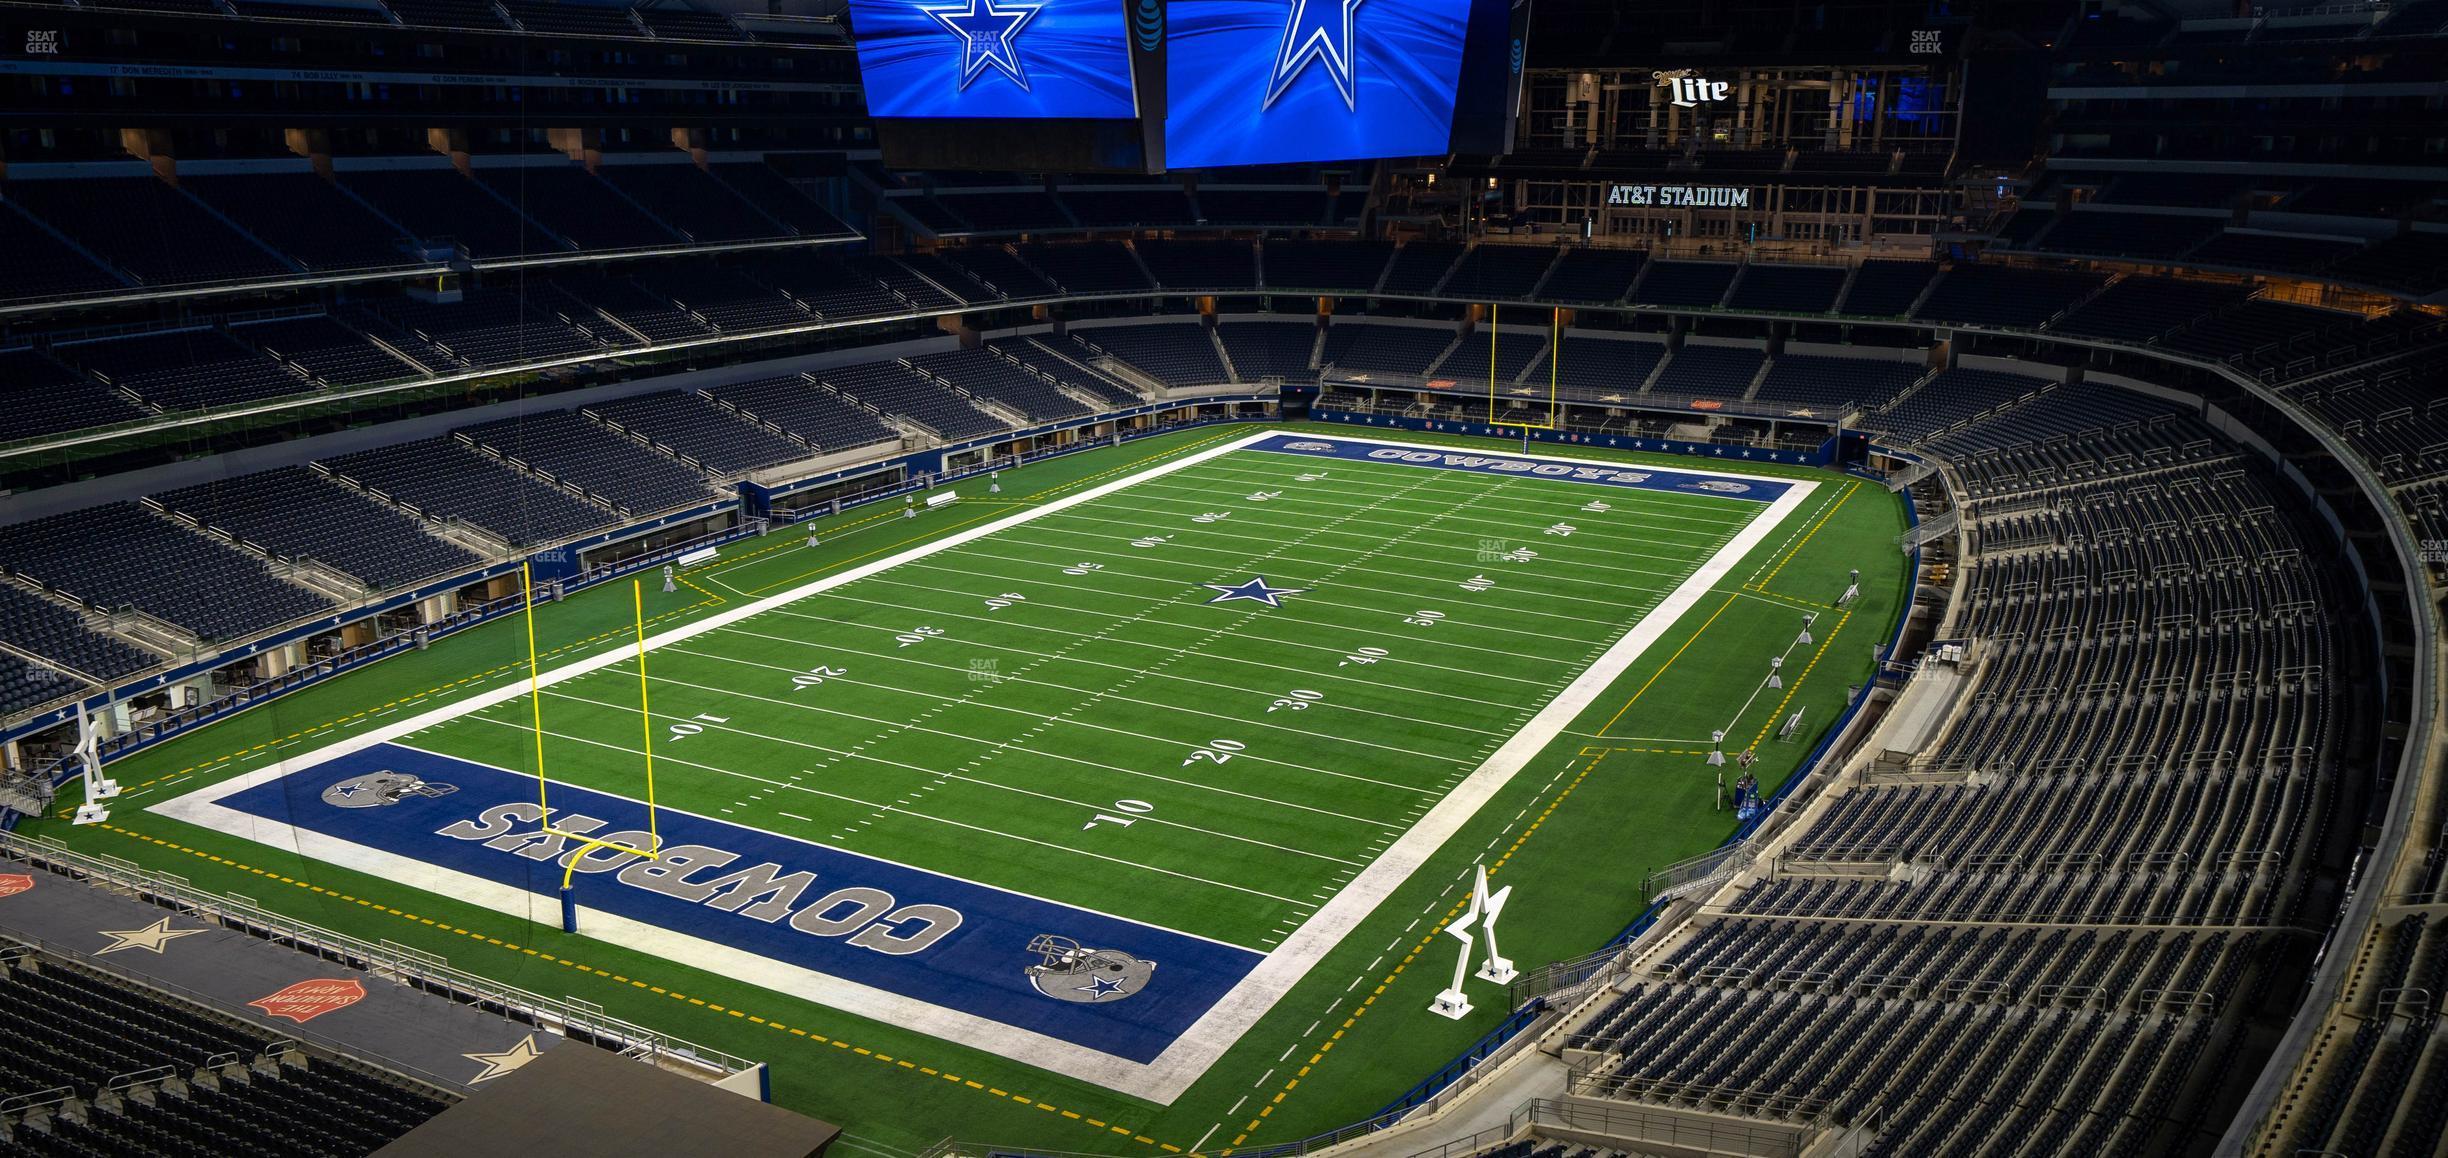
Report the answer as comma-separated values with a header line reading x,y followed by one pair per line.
x,y
1066,972
377,789
1719,485
1309,446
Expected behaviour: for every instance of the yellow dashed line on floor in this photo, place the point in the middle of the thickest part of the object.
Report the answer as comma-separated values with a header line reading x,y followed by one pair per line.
x,y
1438,926
656,989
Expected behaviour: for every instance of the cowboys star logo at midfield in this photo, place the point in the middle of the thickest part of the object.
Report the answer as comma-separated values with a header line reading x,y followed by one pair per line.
x,y
987,30
1066,972
1319,30
1254,589
378,789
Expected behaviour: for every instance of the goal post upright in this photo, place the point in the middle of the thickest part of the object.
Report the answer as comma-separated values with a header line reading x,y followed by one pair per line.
x,y
535,696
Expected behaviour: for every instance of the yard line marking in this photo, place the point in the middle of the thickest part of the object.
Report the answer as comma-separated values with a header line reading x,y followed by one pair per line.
x,y
1528,534
1647,504
1086,805
1443,589
1237,721
1263,693
1585,525
1332,650
938,820
1521,581
987,743
1413,638
1399,689
1408,789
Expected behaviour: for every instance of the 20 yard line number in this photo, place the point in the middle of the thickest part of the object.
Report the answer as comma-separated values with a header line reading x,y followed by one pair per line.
x,y
1214,751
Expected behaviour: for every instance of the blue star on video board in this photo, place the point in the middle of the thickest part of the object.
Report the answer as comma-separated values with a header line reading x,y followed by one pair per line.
x,y
1263,81
994,58
986,34
1319,30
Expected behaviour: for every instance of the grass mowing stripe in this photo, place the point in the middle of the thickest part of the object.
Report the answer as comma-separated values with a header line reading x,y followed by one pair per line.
x,y
1440,586
1152,706
1050,630
1153,492
1610,581
1081,805
1268,694
1310,599
1167,742
1436,589
1548,548
882,807
1354,681
1676,506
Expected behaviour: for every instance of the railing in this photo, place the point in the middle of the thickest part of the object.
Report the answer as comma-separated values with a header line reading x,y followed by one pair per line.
x,y
416,968
1491,1047
1675,879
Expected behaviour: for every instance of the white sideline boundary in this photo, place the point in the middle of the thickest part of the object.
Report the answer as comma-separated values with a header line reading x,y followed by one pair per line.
x,y
1222,1026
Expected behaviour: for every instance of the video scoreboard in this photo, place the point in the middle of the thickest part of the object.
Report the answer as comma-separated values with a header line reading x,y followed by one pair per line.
x,y
1151,85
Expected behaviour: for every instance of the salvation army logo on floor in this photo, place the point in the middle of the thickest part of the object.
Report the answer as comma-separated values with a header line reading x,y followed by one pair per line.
x,y
312,998
12,884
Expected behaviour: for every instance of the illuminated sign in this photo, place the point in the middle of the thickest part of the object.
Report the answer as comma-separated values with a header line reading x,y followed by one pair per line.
x,y
1680,196
1686,89
1264,81
994,58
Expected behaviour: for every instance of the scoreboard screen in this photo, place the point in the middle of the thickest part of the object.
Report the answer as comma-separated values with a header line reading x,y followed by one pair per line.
x,y
1002,59
1148,85
1256,82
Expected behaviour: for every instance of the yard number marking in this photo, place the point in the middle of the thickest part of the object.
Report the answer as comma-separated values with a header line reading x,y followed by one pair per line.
x,y
1217,751
1363,655
1135,809
1297,700
683,731
818,675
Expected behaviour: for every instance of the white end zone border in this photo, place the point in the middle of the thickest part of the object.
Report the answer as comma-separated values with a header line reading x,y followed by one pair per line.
x,y
1188,1058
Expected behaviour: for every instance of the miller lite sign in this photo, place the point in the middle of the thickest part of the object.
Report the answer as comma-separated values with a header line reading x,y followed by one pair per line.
x,y
1687,89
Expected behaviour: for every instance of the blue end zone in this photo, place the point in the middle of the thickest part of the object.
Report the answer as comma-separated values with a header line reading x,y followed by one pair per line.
x,y
1601,474
852,917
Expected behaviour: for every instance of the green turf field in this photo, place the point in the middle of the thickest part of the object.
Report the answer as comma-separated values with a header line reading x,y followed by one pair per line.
x,y
977,711
1058,707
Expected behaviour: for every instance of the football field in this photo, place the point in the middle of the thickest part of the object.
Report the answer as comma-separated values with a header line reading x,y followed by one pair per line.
x,y
1203,718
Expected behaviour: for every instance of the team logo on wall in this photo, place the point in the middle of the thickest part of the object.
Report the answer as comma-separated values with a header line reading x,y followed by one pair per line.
x,y
312,998
378,789
12,884
1066,972
1720,486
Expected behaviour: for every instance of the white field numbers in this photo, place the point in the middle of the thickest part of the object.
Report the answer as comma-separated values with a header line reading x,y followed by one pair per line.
x,y
1131,811
1216,751
816,676
687,728
917,635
